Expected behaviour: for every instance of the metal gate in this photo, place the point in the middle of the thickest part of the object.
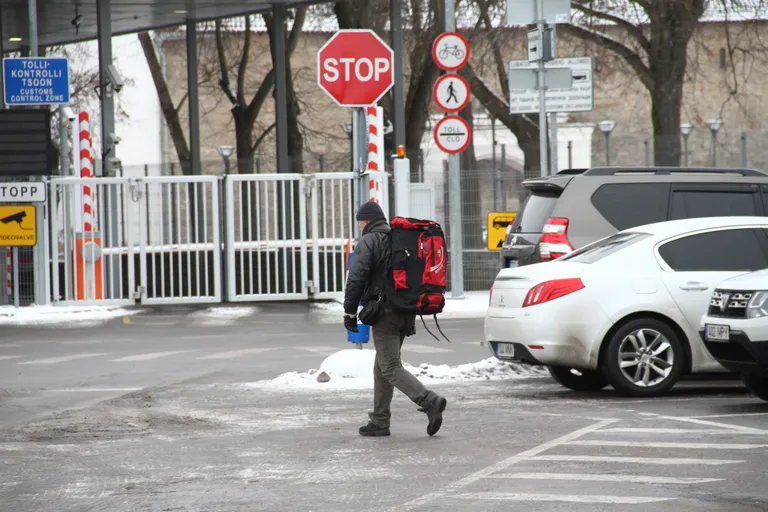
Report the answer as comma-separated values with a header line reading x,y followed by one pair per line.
x,y
269,239
116,240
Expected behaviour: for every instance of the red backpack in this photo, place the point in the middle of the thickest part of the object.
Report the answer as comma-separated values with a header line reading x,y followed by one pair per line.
x,y
419,263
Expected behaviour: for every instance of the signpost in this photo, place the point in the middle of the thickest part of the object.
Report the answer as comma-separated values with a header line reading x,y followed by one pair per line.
x,y
497,228
355,68
452,134
22,192
578,97
451,93
36,81
18,226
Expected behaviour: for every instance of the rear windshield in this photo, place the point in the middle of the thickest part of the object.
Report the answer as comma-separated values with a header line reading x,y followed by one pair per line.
x,y
604,247
535,212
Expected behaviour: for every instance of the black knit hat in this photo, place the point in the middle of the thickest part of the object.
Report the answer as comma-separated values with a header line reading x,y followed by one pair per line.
x,y
370,211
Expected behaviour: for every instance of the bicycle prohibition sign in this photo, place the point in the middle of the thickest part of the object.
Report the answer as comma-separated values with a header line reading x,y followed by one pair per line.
x,y
450,51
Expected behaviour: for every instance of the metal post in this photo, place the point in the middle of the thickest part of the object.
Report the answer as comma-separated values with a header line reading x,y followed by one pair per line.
x,y
281,98
503,174
496,173
743,149
32,13
685,150
714,148
608,148
2,52
16,277
553,163
647,153
193,98
103,16
398,91
454,193
570,154
542,94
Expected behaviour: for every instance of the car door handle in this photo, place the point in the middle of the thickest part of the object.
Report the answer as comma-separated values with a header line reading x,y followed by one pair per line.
x,y
694,286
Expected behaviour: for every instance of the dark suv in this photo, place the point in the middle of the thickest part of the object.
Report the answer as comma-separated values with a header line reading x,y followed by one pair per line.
x,y
576,207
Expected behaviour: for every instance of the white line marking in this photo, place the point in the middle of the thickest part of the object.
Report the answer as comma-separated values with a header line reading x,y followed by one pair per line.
x,y
729,415
718,431
149,356
692,446
424,349
567,498
606,478
94,390
3,345
634,460
504,464
4,358
708,423
63,359
235,353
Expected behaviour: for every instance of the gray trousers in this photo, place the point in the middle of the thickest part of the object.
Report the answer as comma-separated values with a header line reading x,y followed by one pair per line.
x,y
388,372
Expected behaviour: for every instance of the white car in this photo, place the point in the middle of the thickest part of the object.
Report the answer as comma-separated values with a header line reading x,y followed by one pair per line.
x,y
624,310
735,328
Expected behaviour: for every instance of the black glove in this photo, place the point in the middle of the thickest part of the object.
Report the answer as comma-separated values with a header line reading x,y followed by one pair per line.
x,y
350,323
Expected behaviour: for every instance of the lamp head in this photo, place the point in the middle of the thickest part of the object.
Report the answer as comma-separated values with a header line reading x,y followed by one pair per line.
x,y
686,129
606,126
715,124
226,151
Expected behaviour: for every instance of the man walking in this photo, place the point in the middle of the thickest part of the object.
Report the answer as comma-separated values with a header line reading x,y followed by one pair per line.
x,y
370,280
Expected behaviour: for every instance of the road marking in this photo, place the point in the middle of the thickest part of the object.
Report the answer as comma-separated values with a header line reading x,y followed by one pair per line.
x,y
424,349
5,358
94,390
127,320
567,498
148,356
504,464
4,345
692,446
55,360
236,353
634,460
707,423
607,478
718,431
729,415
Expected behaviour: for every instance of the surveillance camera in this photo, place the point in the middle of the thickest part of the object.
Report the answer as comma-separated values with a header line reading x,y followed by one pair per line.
x,y
68,114
114,139
115,77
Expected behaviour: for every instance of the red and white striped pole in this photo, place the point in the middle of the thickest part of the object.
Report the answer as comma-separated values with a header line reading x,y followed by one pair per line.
x,y
375,121
9,273
86,171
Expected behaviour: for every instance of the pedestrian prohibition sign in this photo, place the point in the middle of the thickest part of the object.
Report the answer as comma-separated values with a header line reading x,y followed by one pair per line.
x,y
452,134
451,93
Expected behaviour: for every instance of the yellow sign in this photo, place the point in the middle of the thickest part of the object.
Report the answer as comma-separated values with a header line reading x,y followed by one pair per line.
x,y
497,228
18,226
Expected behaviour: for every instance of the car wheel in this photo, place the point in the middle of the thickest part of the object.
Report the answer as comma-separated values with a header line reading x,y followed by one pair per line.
x,y
757,384
578,380
643,358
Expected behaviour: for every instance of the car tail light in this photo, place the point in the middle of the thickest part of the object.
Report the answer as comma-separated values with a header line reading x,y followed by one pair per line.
x,y
554,239
490,296
551,290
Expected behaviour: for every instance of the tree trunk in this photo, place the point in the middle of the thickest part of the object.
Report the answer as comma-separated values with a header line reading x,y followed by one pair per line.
x,y
243,140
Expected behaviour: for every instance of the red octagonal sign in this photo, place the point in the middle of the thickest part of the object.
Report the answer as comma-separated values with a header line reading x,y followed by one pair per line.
x,y
355,68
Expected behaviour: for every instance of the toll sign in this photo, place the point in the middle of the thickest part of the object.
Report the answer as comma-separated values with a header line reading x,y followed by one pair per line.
x,y
497,228
18,226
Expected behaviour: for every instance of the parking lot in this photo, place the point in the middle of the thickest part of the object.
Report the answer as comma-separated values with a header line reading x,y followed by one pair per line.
x,y
167,410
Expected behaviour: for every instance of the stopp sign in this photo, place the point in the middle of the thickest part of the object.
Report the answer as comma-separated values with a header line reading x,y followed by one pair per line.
x,y
355,68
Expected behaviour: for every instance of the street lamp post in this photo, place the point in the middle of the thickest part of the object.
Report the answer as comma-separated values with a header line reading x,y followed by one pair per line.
x,y
607,127
685,130
226,152
714,127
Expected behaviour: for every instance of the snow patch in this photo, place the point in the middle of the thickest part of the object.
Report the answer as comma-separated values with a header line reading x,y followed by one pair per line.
x,y
352,369
472,305
76,316
223,315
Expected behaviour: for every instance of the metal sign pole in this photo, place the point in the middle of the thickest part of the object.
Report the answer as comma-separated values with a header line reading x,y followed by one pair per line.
x,y
553,164
454,193
542,93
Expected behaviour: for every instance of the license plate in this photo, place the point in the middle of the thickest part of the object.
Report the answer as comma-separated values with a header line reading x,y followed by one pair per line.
x,y
505,350
512,264
715,332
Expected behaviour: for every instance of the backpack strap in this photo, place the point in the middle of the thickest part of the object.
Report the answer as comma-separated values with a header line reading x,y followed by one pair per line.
x,y
441,331
427,328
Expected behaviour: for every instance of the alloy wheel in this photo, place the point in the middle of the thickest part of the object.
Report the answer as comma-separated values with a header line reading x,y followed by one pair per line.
x,y
646,357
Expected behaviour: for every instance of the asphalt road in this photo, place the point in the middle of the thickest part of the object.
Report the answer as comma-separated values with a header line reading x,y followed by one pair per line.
x,y
155,415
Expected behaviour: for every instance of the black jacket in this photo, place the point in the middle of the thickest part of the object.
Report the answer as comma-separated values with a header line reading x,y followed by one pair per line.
x,y
370,272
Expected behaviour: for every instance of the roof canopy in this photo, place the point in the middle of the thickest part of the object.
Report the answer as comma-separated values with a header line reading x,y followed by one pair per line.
x,y
56,25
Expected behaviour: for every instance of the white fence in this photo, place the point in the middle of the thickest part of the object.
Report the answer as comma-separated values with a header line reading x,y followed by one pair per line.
x,y
197,239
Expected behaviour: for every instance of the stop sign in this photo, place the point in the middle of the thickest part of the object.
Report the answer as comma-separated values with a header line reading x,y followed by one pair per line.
x,y
355,68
